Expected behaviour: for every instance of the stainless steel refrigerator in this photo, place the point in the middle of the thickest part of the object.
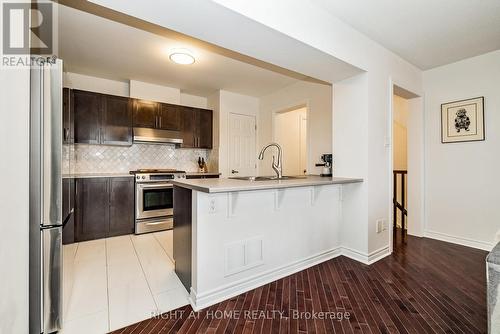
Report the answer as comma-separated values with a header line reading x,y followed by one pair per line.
x,y
46,218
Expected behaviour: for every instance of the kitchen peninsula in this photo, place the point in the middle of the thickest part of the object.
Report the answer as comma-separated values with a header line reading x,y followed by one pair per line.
x,y
233,235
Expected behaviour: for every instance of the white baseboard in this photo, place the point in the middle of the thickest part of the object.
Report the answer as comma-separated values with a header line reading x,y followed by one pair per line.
x,y
487,246
364,257
206,299
200,301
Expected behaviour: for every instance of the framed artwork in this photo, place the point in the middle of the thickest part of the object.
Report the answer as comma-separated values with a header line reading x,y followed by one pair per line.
x,y
462,121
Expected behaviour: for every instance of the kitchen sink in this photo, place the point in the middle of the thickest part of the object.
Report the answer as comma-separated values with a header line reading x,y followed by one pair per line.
x,y
266,178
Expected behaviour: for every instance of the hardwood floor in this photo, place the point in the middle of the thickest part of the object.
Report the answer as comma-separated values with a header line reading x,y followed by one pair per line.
x,y
425,286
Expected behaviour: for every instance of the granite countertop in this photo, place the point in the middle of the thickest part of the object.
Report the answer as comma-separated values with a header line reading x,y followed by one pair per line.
x,y
92,175
230,185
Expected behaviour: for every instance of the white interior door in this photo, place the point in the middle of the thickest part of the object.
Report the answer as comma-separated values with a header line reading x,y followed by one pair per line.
x,y
242,156
290,131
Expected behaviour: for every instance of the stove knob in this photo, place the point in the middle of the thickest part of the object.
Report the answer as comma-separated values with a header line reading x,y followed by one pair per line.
x,y
143,177
138,177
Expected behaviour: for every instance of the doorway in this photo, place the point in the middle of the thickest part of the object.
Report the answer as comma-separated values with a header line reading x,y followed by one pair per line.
x,y
407,164
290,131
400,163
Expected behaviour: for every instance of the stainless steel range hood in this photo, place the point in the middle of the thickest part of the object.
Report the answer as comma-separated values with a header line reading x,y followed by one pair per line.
x,y
157,136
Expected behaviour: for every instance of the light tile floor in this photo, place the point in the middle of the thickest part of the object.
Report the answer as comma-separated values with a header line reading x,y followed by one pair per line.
x,y
114,282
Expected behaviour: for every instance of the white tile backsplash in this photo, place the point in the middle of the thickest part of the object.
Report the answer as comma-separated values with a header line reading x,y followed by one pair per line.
x,y
117,159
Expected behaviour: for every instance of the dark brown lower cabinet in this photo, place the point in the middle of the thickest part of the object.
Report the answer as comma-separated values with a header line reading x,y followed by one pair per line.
x,y
92,207
68,236
121,206
104,207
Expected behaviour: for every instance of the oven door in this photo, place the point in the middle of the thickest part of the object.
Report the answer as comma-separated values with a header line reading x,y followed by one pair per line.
x,y
154,200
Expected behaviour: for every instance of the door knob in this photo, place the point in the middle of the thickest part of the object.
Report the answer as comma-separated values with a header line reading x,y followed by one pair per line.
x,y
234,171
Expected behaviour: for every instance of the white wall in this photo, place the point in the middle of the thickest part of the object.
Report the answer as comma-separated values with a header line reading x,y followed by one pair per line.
x,y
416,174
95,84
213,103
14,200
350,112
193,100
133,88
462,187
318,99
152,92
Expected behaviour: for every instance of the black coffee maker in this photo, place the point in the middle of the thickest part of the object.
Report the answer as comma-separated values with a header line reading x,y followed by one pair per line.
x,y
327,160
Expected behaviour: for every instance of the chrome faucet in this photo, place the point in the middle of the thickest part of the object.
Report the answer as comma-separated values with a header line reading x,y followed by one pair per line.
x,y
276,164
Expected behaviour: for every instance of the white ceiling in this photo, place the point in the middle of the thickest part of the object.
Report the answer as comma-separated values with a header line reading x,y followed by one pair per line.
x,y
427,33
96,46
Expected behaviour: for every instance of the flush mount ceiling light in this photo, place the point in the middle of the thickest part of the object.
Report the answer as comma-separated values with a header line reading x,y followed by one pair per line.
x,y
181,56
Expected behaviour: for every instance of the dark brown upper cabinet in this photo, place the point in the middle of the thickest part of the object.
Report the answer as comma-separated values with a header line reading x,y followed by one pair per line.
x,y
188,127
116,120
145,114
169,117
101,119
87,110
148,114
204,128
196,127
109,120
68,122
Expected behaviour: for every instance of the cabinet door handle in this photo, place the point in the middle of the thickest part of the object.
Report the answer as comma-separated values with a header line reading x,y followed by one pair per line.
x,y
234,171
160,121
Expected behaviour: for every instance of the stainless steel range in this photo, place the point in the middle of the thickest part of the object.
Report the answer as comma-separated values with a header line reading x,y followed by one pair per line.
x,y
154,199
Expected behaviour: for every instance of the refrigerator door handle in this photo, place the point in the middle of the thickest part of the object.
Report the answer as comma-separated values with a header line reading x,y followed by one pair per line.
x,y
52,279
51,144
71,212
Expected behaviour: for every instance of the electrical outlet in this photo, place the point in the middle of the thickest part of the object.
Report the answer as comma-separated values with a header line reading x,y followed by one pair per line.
x,y
212,208
380,223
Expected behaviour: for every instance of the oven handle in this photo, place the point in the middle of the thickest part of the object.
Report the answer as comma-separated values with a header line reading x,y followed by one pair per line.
x,y
155,185
156,223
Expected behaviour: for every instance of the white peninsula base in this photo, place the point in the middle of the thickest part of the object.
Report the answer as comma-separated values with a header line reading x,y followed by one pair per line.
x,y
240,240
